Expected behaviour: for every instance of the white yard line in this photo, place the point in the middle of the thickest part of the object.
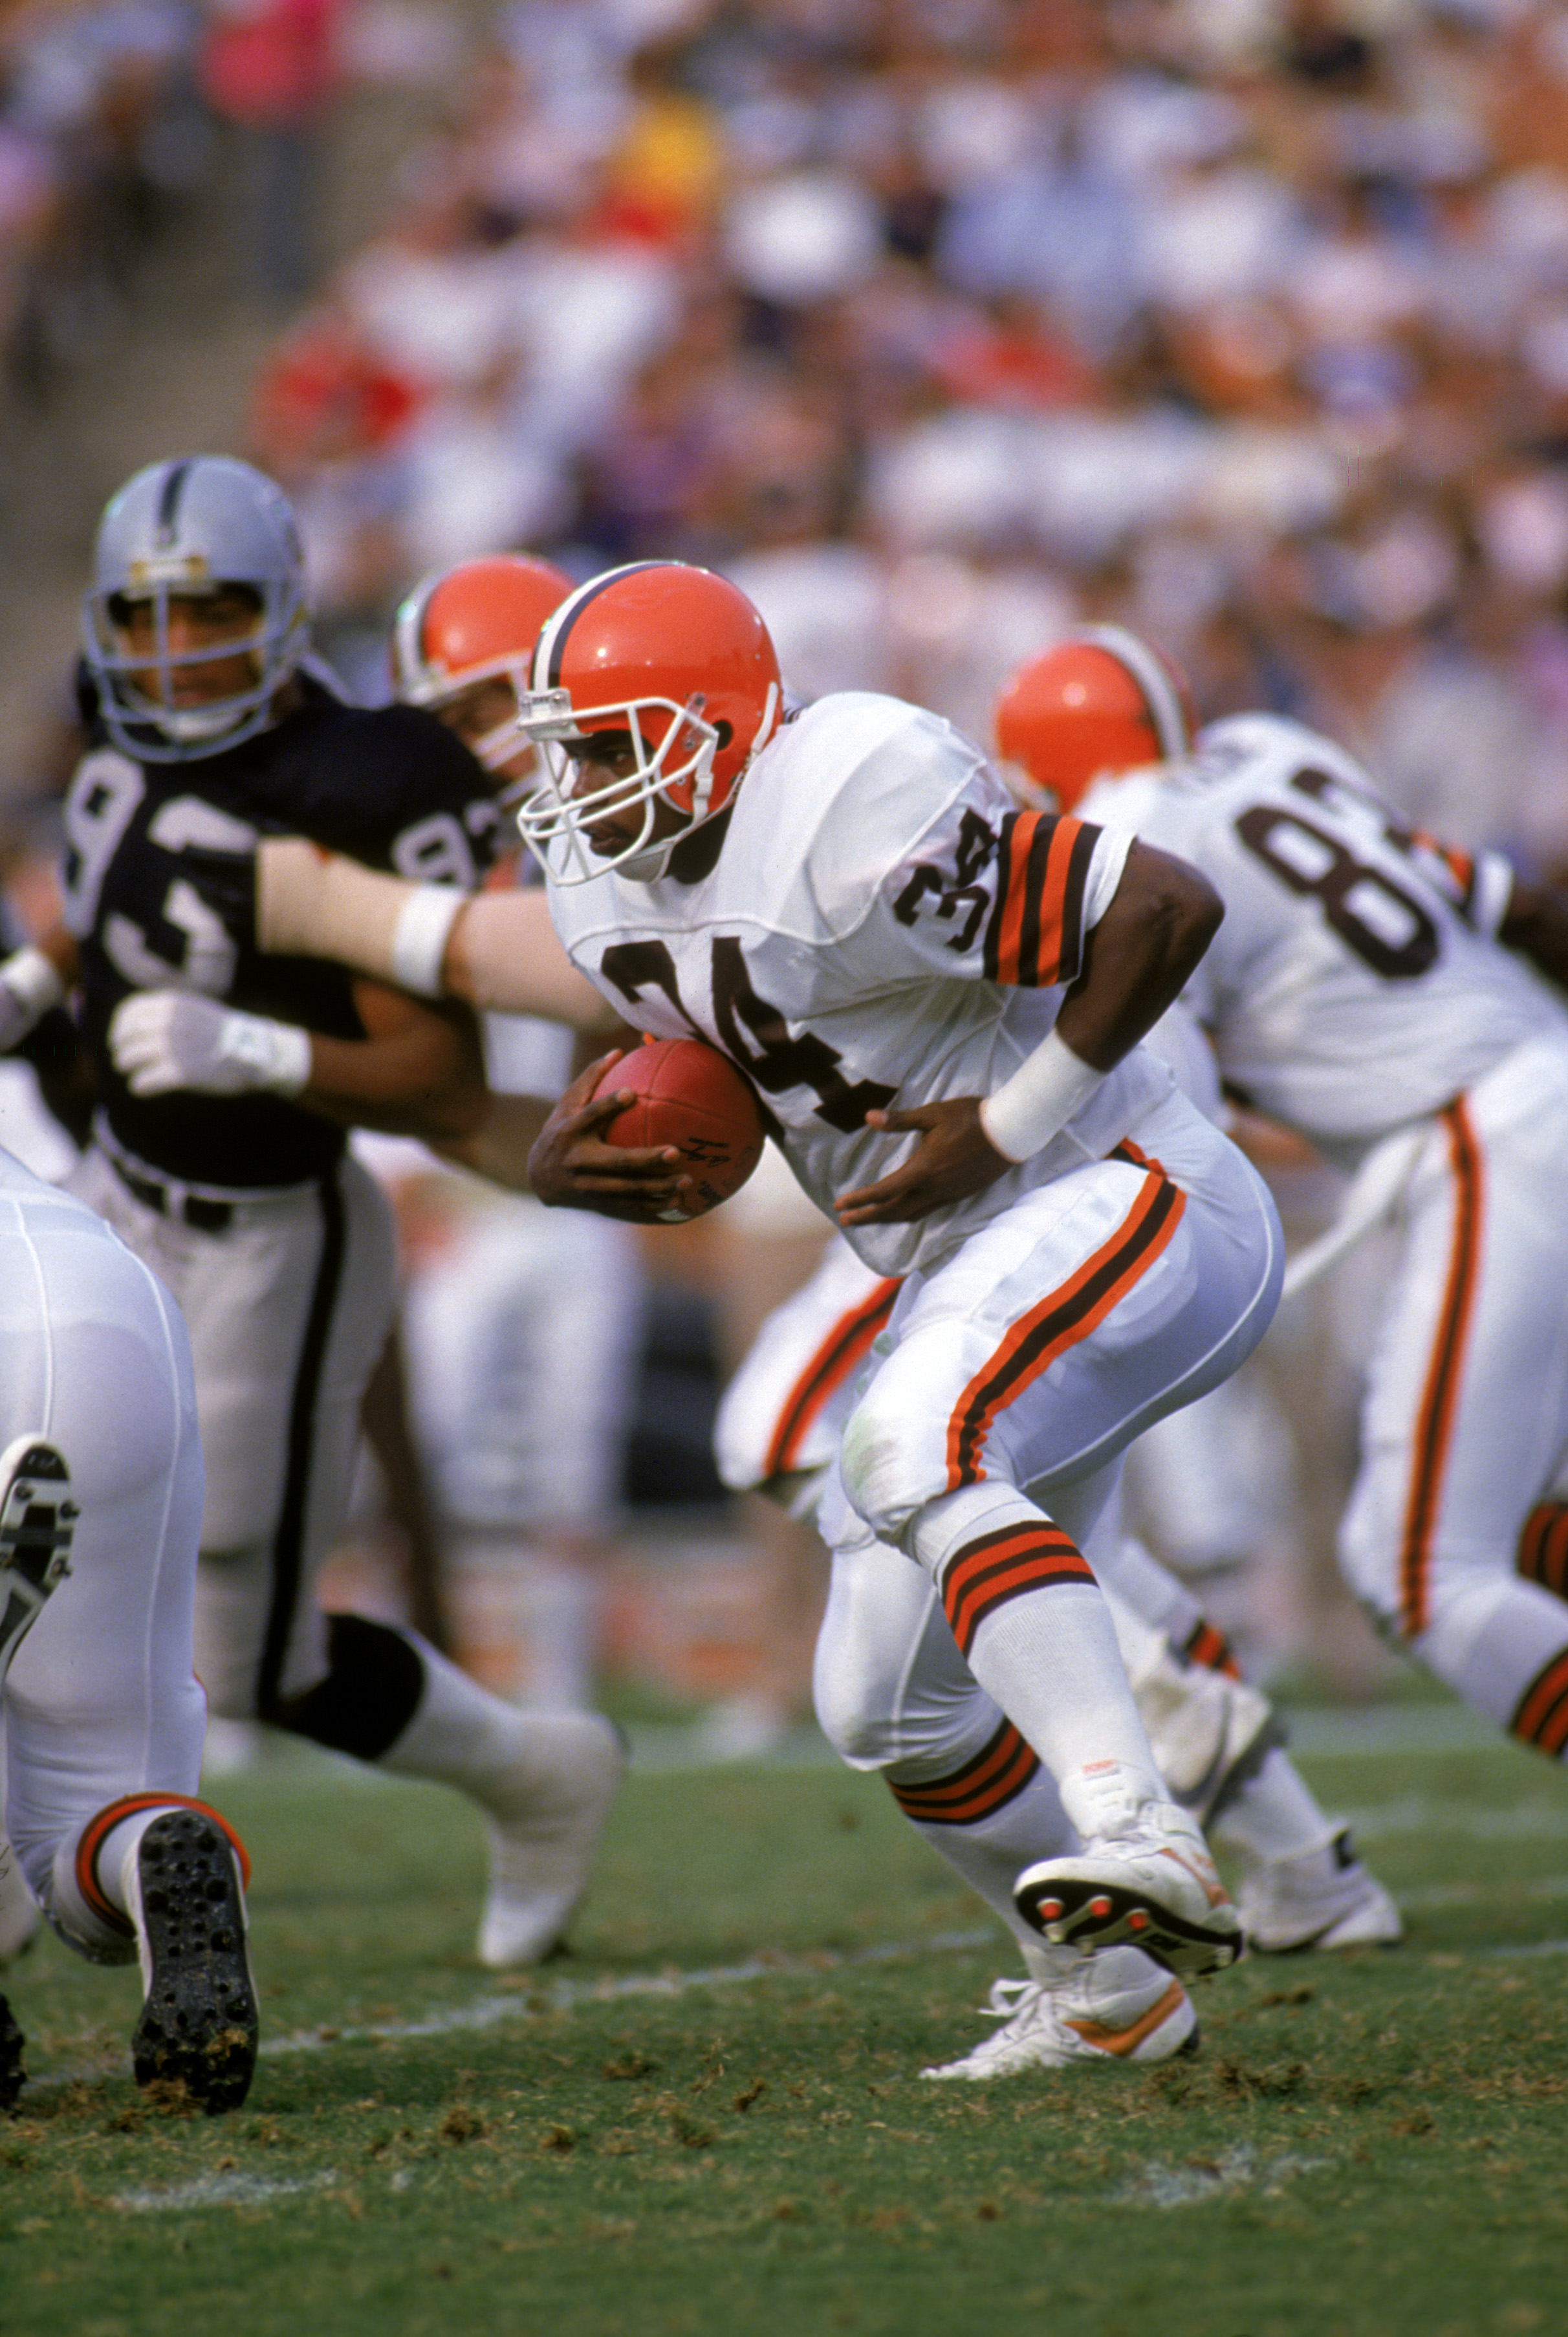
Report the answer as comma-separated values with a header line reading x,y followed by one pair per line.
x,y
1422,1897
1239,2168
1418,1813
220,2191
545,1996
563,1995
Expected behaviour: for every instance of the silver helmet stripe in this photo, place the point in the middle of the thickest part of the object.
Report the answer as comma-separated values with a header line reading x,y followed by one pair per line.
x,y
166,529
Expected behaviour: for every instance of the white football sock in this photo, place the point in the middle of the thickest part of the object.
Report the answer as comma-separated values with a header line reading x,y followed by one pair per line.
x,y
1049,1657
1273,1815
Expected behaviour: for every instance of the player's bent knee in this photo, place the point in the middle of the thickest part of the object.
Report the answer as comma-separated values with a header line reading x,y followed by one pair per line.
x,y
857,1722
888,1473
1367,1564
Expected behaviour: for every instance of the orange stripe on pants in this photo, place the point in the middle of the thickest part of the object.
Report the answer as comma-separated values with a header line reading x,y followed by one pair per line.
x,y
1434,1420
1065,1317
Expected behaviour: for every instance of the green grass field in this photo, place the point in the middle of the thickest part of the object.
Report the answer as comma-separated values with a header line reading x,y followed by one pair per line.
x,y
710,2114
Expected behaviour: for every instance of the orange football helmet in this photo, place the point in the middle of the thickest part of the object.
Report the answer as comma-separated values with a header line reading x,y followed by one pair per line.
x,y
1101,700
678,661
475,623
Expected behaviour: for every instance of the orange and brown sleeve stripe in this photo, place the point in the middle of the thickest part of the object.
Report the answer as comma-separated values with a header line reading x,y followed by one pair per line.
x,y
1543,1553
1062,1318
1440,1396
832,1363
1036,933
1032,1554
996,1775
1541,1717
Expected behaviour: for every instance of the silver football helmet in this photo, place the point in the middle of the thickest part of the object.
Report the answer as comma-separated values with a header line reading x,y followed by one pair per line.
x,y
185,529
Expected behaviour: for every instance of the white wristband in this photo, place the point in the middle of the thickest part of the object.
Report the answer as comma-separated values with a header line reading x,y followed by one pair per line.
x,y
275,1056
1047,1091
33,981
420,937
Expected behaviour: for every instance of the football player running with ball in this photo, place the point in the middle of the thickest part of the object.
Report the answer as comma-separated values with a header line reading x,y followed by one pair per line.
x,y
1368,989
220,1154
911,970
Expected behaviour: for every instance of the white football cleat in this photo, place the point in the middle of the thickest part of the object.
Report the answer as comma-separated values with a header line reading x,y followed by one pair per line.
x,y
1322,1898
1117,2006
1209,1733
19,1915
1142,1879
544,1824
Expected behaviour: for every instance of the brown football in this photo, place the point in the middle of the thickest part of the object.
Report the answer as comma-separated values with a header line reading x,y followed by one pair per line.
x,y
690,1096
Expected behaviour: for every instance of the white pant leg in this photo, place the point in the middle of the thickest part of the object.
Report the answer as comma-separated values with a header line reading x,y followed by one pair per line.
x,y
101,1700
1018,1372
288,1310
784,1409
1466,1418
1055,1335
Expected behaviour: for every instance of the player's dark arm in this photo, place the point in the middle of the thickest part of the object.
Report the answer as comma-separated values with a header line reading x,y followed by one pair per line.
x,y
1535,925
419,1071
499,1146
1136,961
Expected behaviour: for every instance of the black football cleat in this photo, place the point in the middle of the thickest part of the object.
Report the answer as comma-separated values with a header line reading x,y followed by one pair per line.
x,y
198,2023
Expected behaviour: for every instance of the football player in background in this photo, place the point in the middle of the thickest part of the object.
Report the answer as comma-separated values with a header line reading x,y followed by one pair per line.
x,y
869,921
100,1509
522,1344
1368,990
219,1151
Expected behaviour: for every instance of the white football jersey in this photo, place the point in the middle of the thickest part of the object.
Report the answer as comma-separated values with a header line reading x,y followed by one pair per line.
x,y
882,926
1355,983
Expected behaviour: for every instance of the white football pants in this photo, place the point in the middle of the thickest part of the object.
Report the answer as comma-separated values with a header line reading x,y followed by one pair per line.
x,y
288,1308
1464,1423
101,1701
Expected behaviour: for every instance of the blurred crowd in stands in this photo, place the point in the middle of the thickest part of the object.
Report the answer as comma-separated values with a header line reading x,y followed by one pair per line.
x,y
937,323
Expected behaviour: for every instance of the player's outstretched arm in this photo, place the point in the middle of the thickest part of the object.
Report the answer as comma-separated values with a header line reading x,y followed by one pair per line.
x,y
497,951
418,1070
1136,960
499,1147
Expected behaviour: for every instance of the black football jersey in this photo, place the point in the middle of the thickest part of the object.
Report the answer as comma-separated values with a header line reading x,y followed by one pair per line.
x,y
159,890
